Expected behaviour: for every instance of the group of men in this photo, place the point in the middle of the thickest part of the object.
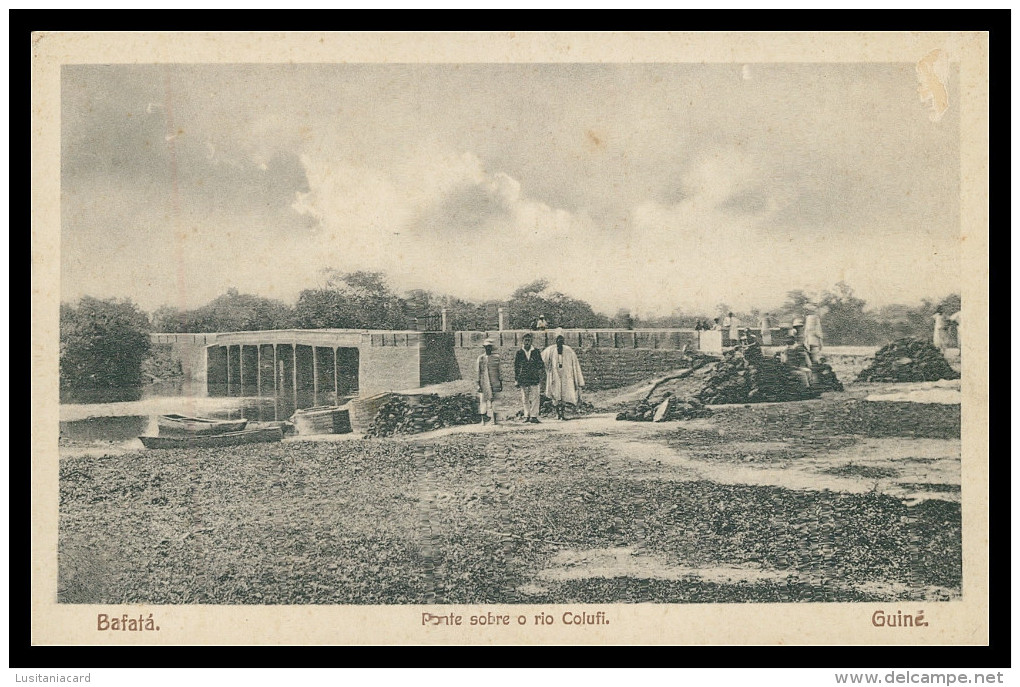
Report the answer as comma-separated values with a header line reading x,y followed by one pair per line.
x,y
558,364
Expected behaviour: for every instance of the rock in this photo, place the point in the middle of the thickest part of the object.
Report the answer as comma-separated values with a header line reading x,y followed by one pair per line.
x,y
908,360
662,411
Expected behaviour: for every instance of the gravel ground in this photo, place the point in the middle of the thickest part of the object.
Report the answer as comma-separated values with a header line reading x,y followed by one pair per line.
x,y
530,514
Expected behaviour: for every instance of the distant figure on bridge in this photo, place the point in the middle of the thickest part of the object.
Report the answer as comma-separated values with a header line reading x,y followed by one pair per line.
x,y
941,336
955,317
798,358
563,378
697,326
765,326
813,334
541,323
798,329
752,349
490,381
733,325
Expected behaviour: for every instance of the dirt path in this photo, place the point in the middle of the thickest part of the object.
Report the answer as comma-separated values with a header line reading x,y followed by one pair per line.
x,y
909,469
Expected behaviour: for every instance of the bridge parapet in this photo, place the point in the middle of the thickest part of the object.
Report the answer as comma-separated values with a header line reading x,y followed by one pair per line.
x,y
659,339
298,337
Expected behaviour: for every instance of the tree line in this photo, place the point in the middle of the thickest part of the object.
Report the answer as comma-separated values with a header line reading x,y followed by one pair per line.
x,y
364,300
106,344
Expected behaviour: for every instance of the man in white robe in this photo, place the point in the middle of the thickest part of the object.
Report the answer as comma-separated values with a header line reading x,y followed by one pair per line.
x,y
490,382
564,379
941,336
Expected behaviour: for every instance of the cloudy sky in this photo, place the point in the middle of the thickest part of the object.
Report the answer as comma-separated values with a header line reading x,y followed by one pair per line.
x,y
650,187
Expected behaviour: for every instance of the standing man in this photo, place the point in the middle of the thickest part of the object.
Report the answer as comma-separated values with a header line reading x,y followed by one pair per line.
x,y
733,324
563,378
490,382
528,367
797,358
941,330
813,333
955,317
766,329
798,329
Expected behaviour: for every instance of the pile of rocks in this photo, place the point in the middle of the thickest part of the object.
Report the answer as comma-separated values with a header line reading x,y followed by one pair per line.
x,y
548,407
401,415
745,379
908,360
670,408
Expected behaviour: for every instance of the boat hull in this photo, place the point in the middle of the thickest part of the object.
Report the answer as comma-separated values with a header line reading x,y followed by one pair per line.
x,y
197,426
248,436
322,420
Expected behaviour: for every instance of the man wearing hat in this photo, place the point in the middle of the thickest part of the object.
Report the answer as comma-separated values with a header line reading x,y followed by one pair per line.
x,y
813,333
798,358
490,382
528,367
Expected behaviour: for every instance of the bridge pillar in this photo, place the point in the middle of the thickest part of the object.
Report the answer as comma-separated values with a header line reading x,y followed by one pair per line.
x,y
294,371
280,383
336,384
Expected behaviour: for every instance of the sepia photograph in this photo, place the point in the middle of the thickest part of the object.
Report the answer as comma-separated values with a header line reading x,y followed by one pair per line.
x,y
513,349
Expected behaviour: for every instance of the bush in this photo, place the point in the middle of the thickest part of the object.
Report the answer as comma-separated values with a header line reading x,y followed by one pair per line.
x,y
102,344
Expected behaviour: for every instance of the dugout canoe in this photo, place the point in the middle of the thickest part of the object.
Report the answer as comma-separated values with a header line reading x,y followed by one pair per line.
x,y
197,426
247,436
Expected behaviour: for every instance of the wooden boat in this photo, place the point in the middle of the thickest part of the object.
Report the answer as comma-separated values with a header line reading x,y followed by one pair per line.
x,y
198,426
247,436
322,420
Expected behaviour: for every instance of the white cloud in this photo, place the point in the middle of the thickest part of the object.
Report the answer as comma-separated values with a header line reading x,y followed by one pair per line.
x,y
651,187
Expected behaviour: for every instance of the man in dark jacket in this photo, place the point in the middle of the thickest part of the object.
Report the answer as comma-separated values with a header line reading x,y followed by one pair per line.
x,y
528,367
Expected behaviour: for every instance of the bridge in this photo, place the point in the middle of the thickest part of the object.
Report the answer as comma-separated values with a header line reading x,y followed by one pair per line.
x,y
321,365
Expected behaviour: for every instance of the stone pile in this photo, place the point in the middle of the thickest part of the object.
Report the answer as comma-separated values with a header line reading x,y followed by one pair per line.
x,y
908,360
400,415
670,408
740,379
547,407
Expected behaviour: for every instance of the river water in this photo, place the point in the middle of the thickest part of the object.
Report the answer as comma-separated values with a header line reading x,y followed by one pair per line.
x,y
120,416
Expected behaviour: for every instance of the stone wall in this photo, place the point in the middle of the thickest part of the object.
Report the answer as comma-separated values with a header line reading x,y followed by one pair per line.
x,y
603,368
388,368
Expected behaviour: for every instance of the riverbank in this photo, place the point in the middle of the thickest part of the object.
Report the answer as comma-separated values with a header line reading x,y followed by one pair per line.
x,y
837,499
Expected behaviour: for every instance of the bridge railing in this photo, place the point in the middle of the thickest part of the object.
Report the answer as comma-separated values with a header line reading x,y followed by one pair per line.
x,y
668,339
301,337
